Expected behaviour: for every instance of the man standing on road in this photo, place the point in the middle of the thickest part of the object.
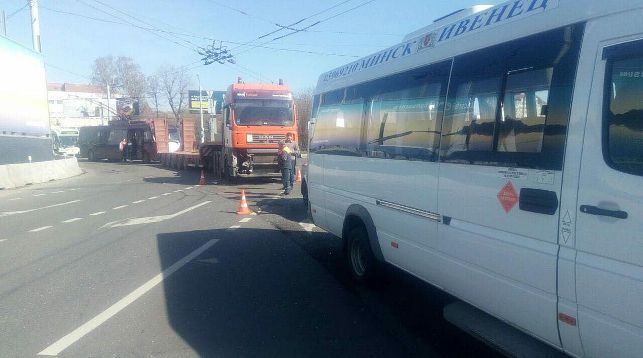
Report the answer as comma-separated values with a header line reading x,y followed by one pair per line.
x,y
294,153
284,158
122,146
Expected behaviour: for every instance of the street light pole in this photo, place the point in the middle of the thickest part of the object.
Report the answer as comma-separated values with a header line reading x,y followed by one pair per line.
x,y
201,109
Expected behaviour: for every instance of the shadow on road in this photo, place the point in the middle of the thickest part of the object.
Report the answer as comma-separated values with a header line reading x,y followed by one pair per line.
x,y
257,293
183,177
290,208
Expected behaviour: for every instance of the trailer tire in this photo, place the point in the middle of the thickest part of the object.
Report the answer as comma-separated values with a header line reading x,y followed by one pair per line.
x,y
91,156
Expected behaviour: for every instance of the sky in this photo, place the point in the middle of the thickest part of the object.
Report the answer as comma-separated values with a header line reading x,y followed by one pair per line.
x,y
167,32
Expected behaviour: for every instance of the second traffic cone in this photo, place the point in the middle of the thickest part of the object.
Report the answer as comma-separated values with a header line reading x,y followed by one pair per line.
x,y
243,205
298,176
202,179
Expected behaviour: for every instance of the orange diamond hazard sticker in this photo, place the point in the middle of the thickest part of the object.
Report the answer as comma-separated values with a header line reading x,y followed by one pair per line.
x,y
508,197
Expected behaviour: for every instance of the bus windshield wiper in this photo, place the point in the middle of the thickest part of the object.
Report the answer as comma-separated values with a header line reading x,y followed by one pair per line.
x,y
398,135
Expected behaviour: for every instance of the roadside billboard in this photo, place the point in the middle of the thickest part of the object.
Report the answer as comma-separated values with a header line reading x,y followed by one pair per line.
x,y
24,109
197,102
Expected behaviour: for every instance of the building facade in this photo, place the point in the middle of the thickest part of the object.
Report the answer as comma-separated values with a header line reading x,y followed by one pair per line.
x,y
78,105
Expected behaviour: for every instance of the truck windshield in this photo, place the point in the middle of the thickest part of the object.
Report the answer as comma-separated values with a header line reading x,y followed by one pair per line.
x,y
263,112
68,141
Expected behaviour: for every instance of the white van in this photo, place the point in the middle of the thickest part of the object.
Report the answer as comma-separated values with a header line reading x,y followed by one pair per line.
x,y
498,155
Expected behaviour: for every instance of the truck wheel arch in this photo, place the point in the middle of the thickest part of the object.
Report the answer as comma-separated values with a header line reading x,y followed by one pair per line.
x,y
358,215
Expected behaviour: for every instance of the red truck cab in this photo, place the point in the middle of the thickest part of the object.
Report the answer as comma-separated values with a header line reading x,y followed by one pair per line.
x,y
256,117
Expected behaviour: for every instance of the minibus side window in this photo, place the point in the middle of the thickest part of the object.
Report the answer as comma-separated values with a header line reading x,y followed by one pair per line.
x,y
508,105
404,113
472,116
338,125
623,115
524,110
315,107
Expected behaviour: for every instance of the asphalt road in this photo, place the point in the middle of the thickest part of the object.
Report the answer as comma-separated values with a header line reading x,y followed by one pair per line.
x,y
138,261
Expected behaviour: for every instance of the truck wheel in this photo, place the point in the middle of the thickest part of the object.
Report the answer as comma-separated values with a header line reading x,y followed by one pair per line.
x,y
361,262
91,156
146,158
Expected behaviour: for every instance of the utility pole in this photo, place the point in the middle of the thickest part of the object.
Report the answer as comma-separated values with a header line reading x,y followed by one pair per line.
x,y
35,25
109,97
3,27
201,109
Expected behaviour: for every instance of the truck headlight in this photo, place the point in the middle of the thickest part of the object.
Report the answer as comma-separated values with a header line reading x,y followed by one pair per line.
x,y
249,138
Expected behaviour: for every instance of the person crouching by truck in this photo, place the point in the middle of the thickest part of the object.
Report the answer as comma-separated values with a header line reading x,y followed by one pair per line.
x,y
294,153
122,146
284,159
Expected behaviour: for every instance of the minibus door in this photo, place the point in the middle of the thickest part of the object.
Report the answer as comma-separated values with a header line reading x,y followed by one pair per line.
x,y
609,228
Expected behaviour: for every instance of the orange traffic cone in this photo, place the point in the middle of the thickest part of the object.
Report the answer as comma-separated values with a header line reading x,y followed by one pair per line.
x,y
243,205
202,179
298,176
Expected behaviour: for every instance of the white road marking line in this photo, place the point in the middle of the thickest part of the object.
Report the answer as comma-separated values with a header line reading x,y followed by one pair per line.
x,y
120,207
177,191
1,240
151,219
97,213
188,188
39,194
80,332
245,220
166,194
8,213
235,227
72,189
152,197
57,192
138,201
41,228
71,220
307,226
15,199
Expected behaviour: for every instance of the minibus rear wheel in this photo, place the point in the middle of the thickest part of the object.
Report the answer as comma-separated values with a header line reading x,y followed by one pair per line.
x,y
359,256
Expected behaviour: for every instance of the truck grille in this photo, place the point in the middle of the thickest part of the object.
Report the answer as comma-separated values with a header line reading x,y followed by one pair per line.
x,y
268,138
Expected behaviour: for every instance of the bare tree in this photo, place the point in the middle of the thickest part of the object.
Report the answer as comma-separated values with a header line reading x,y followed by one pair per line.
x,y
104,71
304,104
130,77
154,91
122,74
174,83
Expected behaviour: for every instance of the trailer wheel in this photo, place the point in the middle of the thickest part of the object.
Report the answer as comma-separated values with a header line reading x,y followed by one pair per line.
x,y
91,156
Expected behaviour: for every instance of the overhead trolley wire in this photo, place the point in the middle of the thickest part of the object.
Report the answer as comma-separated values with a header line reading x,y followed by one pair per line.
x,y
14,13
136,25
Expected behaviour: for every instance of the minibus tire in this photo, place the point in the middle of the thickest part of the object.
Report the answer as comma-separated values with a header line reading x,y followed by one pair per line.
x,y
361,262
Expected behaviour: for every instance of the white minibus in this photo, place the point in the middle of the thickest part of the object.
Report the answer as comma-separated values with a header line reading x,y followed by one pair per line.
x,y
497,154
